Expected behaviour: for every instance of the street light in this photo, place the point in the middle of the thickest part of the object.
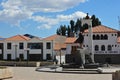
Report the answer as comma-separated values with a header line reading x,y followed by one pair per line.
x,y
28,50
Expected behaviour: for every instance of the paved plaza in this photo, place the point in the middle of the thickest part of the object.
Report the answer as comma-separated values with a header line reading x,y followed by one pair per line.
x,y
29,73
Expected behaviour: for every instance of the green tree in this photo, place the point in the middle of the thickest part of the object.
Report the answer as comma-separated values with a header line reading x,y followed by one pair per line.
x,y
72,25
76,26
63,30
68,31
95,21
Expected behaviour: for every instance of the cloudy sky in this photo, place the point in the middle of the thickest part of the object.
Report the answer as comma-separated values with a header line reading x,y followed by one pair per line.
x,y
42,18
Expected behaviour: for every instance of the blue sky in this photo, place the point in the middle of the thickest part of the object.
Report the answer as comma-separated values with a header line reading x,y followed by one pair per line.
x,y
41,18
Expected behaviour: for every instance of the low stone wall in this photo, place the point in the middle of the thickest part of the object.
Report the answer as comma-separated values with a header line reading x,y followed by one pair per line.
x,y
5,73
25,63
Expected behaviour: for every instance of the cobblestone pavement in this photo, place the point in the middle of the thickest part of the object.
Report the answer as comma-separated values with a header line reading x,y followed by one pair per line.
x,y
29,73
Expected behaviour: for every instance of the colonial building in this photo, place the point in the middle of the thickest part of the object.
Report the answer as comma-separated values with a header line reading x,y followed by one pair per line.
x,y
105,41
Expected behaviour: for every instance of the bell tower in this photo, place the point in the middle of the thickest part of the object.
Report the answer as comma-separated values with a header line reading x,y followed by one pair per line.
x,y
87,21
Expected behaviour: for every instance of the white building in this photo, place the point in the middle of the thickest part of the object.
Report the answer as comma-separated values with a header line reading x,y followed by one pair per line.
x,y
105,41
17,47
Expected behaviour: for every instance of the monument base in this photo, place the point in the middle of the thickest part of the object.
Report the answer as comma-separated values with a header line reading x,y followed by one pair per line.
x,y
91,65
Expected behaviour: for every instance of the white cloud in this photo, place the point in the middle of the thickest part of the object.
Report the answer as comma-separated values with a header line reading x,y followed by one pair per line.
x,y
15,11
50,22
75,15
41,5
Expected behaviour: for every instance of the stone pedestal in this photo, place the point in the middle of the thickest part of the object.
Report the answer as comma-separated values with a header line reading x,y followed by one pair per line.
x,y
82,55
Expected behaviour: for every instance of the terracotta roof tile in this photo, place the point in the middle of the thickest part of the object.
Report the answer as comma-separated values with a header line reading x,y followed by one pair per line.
x,y
17,38
51,37
70,40
59,46
102,29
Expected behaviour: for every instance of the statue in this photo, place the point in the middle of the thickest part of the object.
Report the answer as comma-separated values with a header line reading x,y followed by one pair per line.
x,y
80,39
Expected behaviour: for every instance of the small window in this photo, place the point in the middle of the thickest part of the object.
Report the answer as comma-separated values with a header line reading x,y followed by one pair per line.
x,y
21,46
96,47
83,45
86,45
8,45
21,56
9,56
97,37
105,37
48,56
94,37
103,47
48,45
102,37
109,47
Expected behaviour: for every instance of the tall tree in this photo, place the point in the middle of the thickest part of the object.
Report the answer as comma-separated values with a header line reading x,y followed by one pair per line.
x,y
76,26
68,31
72,25
95,21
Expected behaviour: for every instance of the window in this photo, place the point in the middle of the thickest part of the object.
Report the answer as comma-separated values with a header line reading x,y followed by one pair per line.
x,y
21,46
8,45
97,37
35,45
103,48
102,37
94,37
109,47
21,56
9,56
48,45
105,37
48,56
96,47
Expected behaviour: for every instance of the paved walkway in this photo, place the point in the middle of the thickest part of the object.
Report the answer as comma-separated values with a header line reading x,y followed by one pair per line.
x,y
29,73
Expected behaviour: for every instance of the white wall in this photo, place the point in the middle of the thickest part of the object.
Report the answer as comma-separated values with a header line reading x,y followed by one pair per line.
x,y
112,40
23,51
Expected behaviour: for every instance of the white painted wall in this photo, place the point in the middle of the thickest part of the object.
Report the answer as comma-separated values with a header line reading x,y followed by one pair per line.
x,y
23,51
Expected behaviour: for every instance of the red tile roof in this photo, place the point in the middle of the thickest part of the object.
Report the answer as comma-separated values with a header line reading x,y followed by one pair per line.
x,y
102,29
17,38
70,40
51,37
59,46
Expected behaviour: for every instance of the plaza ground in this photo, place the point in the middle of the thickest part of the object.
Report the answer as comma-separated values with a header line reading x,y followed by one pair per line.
x,y
29,73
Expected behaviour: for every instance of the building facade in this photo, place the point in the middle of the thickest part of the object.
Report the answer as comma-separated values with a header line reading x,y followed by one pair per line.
x,y
105,44
17,47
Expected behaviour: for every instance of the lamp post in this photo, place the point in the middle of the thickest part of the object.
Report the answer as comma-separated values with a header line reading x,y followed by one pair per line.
x,y
27,50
